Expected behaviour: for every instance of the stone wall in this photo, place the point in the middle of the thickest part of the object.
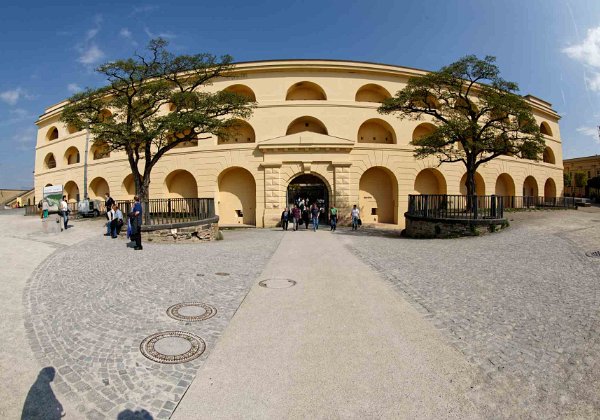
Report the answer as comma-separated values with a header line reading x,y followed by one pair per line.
x,y
184,233
417,227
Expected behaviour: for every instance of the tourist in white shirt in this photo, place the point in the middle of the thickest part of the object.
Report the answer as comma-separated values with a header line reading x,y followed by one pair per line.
x,y
355,213
64,211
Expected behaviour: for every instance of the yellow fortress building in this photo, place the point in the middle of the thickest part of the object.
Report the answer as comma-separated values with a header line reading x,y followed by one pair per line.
x,y
315,132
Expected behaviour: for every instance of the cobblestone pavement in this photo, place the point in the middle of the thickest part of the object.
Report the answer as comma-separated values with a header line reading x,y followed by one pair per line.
x,y
523,305
89,306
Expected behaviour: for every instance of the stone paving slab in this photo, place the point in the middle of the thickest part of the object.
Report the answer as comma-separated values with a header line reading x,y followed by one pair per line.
x,y
340,343
522,305
89,307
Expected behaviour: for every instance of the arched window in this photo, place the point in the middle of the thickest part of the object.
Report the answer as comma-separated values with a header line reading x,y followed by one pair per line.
x,y
430,181
239,132
548,156
52,134
99,150
242,90
306,124
376,131
49,161
422,130
305,91
545,129
71,129
72,156
181,184
372,93
104,115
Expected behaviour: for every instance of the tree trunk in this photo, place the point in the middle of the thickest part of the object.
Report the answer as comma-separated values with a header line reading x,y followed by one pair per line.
x,y
471,188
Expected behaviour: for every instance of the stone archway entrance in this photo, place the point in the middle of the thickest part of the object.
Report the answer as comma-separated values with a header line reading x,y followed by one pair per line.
x,y
313,190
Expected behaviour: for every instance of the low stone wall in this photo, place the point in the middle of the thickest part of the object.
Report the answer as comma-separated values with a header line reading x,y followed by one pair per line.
x,y
190,232
419,227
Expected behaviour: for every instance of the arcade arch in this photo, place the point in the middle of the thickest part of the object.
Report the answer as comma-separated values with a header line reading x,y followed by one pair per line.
x,y
306,123
530,187
128,187
72,156
548,156
98,188
242,90
376,130
49,161
181,184
71,190
430,181
422,130
305,91
240,132
52,134
378,192
372,93
237,197
545,129
479,184
549,189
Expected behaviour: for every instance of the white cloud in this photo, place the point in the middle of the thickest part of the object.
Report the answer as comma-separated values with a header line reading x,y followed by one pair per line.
x,y
588,53
16,116
90,55
165,35
126,34
73,87
12,96
589,132
89,51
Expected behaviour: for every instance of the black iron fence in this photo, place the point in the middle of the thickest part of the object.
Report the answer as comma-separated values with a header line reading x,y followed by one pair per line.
x,y
444,206
172,210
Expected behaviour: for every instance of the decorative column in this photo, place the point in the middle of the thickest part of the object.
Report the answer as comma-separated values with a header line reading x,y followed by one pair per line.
x,y
272,213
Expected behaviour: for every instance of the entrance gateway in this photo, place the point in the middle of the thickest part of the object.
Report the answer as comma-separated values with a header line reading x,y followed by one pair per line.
x,y
313,190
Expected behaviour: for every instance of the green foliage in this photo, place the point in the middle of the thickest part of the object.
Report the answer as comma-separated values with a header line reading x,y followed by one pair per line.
x,y
580,178
155,103
594,182
478,116
567,178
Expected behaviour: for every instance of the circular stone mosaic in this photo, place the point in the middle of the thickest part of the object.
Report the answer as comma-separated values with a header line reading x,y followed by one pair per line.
x,y
191,311
277,283
171,347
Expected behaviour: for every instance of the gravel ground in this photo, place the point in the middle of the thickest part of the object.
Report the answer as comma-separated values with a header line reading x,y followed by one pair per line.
x,y
521,304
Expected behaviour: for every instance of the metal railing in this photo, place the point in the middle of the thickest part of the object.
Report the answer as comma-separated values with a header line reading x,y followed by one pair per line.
x,y
444,206
172,210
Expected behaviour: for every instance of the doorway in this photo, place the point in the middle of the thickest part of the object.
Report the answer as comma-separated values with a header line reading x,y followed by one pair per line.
x,y
312,189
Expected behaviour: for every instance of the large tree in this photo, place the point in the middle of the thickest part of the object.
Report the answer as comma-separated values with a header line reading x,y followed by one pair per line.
x,y
153,103
476,115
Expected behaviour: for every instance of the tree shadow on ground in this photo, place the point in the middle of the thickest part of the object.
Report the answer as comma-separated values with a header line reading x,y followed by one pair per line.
x,y
41,403
370,231
134,415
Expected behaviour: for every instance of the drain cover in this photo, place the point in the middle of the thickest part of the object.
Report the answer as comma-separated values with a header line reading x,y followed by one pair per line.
x,y
222,274
170,347
191,311
593,254
277,283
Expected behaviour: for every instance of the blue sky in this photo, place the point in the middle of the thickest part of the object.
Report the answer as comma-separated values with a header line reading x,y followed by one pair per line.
x,y
48,50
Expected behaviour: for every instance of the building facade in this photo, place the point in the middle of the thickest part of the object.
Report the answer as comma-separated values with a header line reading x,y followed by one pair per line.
x,y
315,132
589,165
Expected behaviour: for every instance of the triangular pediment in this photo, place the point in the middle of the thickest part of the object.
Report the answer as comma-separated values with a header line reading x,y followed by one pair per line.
x,y
306,140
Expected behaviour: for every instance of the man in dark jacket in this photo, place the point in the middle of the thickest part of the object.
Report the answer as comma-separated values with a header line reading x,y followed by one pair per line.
x,y
136,223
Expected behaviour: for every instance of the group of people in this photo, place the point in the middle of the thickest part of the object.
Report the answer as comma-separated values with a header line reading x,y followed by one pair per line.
x,y
301,213
115,222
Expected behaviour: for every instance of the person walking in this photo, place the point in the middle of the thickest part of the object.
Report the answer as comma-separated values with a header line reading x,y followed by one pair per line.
x,y
296,216
285,217
333,217
119,219
314,211
45,208
110,215
305,217
136,226
355,214
64,211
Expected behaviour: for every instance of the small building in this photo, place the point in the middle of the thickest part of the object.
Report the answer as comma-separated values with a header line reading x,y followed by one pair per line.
x,y
589,165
